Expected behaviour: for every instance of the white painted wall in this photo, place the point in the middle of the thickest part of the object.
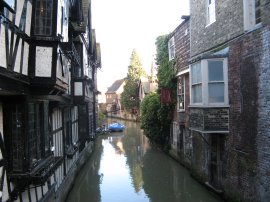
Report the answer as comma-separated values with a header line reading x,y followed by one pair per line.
x,y
43,61
28,18
19,12
25,59
63,3
18,58
2,47
60,69
78,88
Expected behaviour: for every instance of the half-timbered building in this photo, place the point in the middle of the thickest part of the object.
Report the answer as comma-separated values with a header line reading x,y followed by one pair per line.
x,y
48,62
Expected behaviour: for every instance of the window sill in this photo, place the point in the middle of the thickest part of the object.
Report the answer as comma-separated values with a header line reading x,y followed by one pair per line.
x,y
209,106
181,110
208,25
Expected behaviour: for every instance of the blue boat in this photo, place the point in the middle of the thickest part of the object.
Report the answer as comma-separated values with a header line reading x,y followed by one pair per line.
x,y
116,127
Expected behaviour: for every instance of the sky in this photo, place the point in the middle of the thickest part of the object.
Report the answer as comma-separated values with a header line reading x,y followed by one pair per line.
x,y
124,25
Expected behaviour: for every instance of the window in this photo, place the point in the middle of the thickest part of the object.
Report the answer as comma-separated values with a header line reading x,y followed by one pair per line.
x,y
43,17
196,83
252,13
211,12
257,11
209,82
10,3
215,81
171,48
181,93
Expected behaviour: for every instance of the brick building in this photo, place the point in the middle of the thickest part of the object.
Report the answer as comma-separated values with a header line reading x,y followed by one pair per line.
x,y
227,116
113,96
179,51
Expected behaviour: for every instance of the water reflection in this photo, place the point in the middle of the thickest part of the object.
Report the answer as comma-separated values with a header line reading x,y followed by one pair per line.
x,y
125,168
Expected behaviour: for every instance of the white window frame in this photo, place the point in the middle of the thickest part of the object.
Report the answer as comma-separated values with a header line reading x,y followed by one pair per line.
x,y
250,14
211,12
180,93
171,48
205,81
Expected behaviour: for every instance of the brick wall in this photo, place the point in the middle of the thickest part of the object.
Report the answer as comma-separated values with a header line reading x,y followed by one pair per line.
x,y
209,119
263,124
249,95
229,24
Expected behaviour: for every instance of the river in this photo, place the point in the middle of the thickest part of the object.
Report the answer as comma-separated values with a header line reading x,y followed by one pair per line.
x,y
125,168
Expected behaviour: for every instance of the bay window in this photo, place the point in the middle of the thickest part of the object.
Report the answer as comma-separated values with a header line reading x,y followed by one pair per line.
x,y
209,82
43,17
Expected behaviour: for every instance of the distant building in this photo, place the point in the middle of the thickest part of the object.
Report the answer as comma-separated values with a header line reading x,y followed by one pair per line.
x,y
113,96
148,84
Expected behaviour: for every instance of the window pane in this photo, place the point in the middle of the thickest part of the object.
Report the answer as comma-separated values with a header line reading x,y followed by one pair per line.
x,y
43,16
216,92
196,76
197,93
215,70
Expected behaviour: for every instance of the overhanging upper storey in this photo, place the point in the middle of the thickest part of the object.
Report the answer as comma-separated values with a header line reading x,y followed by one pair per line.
x,y
79,15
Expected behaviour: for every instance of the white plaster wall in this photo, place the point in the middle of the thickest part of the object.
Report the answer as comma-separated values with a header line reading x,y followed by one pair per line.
x,y
43,61
28,18
1,118
2,47
19,12
78,88
18,58
25,59
62,3
60,69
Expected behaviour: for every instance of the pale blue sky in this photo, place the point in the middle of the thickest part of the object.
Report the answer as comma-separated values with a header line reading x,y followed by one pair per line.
x,y
122,25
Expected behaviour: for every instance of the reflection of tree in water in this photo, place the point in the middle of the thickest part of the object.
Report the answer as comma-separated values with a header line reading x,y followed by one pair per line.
x,y
90,177
132,149
135,148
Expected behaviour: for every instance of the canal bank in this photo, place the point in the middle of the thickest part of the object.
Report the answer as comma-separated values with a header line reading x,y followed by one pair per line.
x,y
63,190
124,167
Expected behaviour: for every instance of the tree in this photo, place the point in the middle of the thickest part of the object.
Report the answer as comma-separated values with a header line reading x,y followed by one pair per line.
x,y
129,97
156,116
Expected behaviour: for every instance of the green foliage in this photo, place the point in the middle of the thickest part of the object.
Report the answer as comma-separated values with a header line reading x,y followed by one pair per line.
x,y
155,119
135,69
129,97
166,73
155,116
101,118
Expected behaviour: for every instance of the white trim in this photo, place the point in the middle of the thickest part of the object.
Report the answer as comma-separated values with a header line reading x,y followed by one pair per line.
x,y
171,48
208,106
210,132
210,12
183,72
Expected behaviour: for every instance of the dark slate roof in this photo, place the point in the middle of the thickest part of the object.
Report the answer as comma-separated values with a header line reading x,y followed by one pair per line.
x,y
114,87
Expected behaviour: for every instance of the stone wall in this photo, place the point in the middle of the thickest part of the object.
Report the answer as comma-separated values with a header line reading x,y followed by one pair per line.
x,y
229,24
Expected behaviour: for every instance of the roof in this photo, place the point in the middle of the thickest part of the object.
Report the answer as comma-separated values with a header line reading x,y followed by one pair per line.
x,y
114,87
